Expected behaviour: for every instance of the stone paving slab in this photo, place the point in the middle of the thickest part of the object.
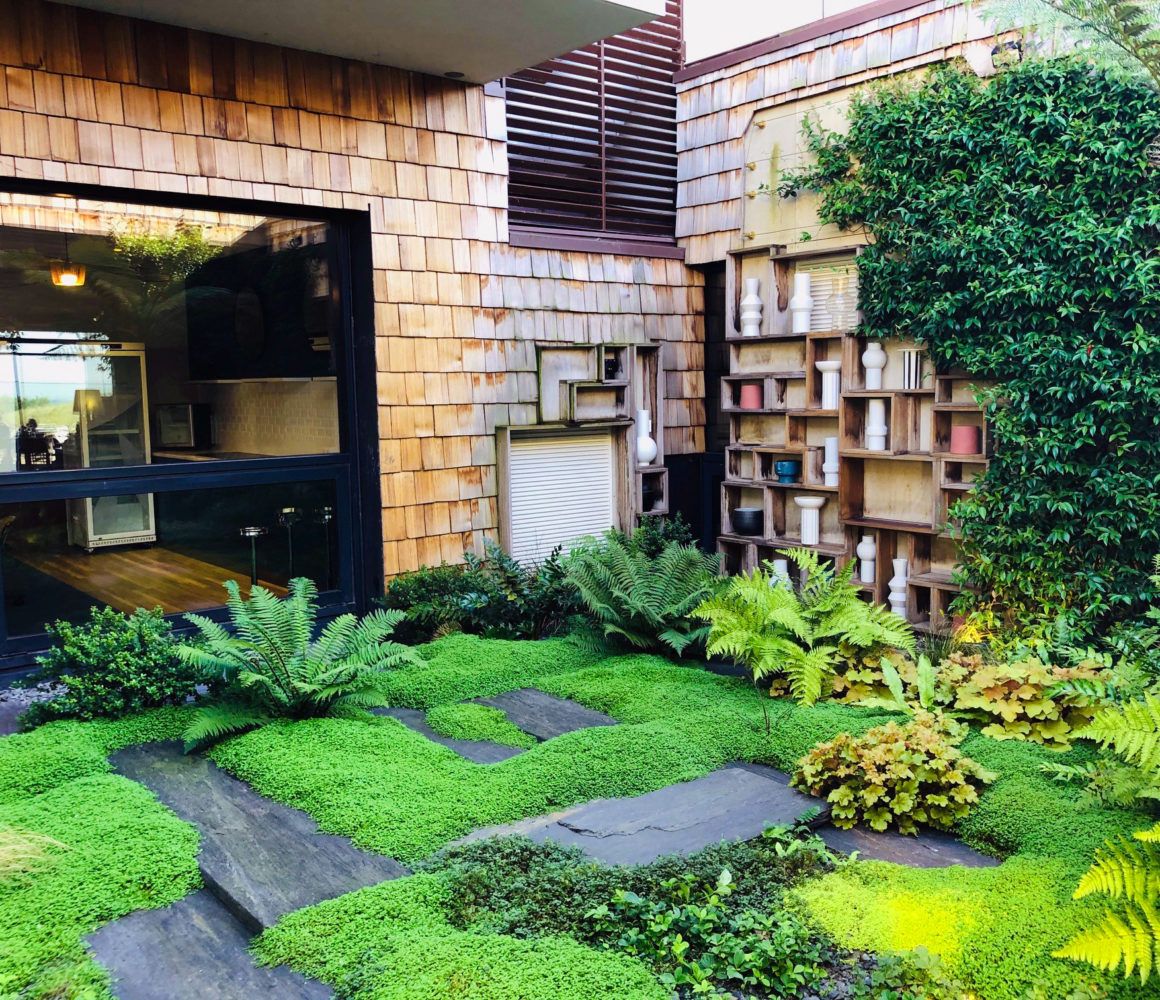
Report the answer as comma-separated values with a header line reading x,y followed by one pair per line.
x,y
260,858
735,803
930,849
193,950
544,716
480,751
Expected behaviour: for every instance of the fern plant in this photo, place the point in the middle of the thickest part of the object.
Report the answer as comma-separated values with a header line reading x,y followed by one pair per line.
x,y
273,667
774,629
1126,871
642,602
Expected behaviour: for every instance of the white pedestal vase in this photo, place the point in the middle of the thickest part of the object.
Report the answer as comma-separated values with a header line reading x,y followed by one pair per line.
x,y
830,462
873,361
751,307
646,447
876,429
867,551
831,383
801,306
811,518
897,596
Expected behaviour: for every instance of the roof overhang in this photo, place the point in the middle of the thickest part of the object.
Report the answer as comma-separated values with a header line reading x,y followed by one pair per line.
x,y
481,39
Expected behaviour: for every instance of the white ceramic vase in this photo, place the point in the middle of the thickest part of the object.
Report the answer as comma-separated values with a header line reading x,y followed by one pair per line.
x,y
751,307
801,306
897,596
873,361
780,573
867,551
830,462
831,383
811,518
646,447
911,370
876,429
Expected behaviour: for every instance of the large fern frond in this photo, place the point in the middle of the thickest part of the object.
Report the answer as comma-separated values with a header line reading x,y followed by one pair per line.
x,y
1132,730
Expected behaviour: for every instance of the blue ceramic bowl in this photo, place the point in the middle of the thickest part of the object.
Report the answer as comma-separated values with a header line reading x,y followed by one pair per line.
x,y
788,471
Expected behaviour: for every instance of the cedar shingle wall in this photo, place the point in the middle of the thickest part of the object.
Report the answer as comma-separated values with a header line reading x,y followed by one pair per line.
x,y
97,99
714,109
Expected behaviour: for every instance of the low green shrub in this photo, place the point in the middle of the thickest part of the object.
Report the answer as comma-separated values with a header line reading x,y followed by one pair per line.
x,y
492,595
112,665
273,667
654,534
639,602
800,633
906,774
478,722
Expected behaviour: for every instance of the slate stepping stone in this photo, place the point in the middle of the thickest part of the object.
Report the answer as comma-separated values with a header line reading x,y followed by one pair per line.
x,y
193,950
260,858
544,716
480,751
735,803
930,849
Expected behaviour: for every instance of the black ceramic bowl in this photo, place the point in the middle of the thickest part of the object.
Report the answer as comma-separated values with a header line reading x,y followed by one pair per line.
x,y
747,520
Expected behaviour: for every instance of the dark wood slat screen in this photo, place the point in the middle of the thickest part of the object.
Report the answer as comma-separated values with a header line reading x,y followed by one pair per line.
x,y
592,136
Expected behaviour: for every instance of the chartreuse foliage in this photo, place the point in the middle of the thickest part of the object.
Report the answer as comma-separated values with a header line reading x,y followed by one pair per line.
x,y
477,722
775,629
1014,232
1126,870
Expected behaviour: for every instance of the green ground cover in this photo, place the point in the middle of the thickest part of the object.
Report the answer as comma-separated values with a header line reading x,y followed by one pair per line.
x,y
478,722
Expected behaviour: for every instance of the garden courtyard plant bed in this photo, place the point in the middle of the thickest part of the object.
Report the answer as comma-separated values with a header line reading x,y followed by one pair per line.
x,y
508,918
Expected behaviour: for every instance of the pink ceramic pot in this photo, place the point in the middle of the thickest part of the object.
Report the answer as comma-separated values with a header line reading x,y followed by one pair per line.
x,y
966,439
751,396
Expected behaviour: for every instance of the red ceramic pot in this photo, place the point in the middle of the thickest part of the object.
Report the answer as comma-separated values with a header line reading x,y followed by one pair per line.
x,y
751,396
966,439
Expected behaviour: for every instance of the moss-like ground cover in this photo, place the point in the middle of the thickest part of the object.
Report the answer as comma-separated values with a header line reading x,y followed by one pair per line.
x,y
478,722
393,791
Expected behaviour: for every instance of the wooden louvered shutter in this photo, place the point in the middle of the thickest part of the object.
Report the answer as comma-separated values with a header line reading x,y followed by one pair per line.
x,y
592,137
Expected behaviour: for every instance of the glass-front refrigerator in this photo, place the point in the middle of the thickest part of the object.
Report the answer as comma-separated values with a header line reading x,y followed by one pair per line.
x,y
70,404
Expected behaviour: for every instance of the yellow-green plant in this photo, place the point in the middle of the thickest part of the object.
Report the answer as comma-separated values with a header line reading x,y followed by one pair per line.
x,y
1126,871
774,629
903,774
23,851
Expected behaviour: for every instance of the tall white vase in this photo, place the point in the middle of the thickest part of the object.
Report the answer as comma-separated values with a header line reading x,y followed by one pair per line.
x,y
811,518
801,306
873,361
876,429
867,553
831,383
830,462
646,447
751,307
911,369
897,596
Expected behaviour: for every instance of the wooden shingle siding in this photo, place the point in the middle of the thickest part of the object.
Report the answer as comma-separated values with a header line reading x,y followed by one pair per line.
x,y
97,99
715,108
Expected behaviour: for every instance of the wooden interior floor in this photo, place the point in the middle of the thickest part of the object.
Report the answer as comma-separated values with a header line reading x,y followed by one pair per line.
x,y
127,579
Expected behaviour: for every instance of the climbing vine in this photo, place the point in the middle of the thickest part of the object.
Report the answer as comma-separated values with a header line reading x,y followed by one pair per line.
x,y
1014,228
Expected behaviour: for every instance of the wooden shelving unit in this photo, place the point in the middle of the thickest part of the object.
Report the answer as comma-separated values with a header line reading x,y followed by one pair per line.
x,y
900,496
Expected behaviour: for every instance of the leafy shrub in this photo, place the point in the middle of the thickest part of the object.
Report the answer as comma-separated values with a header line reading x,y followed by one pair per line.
x,y
274,668
112,665
686,933
803,633
904,774
655,533
1126,871
640,602
478,722
491,595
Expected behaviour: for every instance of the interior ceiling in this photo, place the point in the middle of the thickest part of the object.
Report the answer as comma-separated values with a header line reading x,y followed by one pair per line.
x,y
482,39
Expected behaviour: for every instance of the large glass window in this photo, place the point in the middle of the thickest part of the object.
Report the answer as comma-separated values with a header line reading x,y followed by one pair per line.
x,y
142,348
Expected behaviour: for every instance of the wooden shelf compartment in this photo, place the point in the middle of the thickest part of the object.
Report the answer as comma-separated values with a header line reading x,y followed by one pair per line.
x,y
618,355
737,554
779,392
735,495
945,420
827,347
658,478
892,374
590,401
752,355
883,492
810,428
958,389
763,430
960,472
810,457
854,417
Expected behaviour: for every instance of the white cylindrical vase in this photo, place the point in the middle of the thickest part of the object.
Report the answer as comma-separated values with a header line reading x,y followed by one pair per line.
x,y
780,573
751,308
897,596
873,361
867,551
646,447
830,462
911,370
876,428
831,383
811,518
801,306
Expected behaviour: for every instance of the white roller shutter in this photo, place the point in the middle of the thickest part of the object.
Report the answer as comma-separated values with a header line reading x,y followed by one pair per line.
x,y
834,289
562,488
